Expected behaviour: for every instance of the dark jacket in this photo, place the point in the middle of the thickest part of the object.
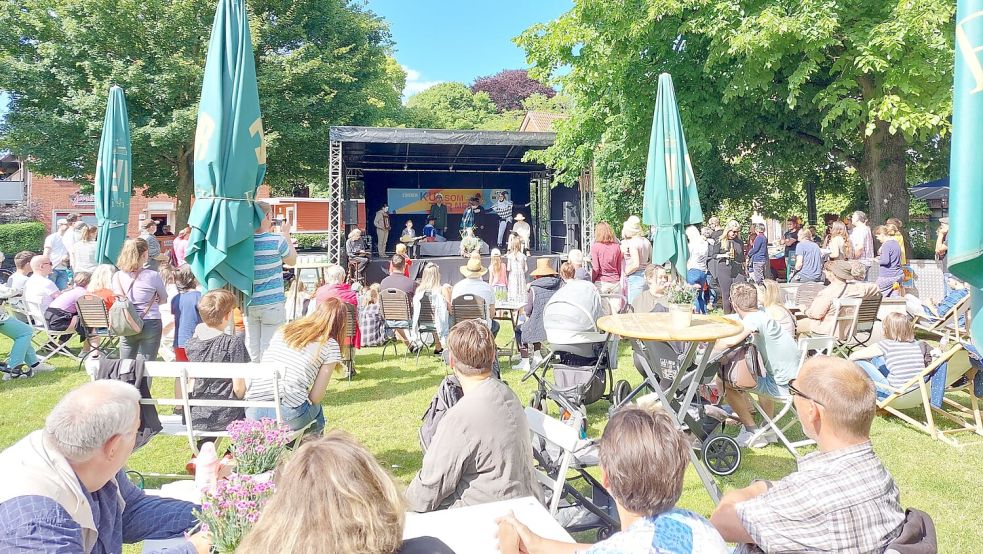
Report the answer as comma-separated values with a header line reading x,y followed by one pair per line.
x,y
733,264
540,292
131,371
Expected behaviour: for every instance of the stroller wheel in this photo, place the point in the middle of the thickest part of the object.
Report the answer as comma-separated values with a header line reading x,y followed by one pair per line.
x,y
721,455
605,532
619,392
536,401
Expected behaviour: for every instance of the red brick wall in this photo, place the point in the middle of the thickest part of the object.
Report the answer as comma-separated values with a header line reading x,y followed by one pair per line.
x,y
53,195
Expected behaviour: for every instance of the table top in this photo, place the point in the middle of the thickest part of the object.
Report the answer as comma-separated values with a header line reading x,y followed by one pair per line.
x,y
509,305
657,326
473,529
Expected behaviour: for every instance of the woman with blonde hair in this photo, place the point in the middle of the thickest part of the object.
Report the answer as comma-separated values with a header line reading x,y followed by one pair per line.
x,y
637,252
308,349
771,300
726,261
839,242
84,250
147,292
101,284
892,362
331,496
440,300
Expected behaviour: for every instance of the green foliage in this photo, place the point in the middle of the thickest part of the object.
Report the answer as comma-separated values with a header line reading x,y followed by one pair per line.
x,y
15,237
453,106
318,64
771,93
310,241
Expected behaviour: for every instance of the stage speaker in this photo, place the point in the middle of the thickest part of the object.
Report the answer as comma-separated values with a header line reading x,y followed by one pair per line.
x,y
570,216
350,212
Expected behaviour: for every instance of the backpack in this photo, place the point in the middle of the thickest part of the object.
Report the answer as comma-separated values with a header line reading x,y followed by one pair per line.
x,y
741,367
448,393
124,320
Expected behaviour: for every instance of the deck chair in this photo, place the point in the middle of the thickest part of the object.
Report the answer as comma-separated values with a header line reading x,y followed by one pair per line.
x,y
559,450
94,318
916,395
946,327
808,347
397,311
56,342
426,324
348,354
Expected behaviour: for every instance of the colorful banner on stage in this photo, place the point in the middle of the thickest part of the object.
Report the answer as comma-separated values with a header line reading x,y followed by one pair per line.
x,y
418,201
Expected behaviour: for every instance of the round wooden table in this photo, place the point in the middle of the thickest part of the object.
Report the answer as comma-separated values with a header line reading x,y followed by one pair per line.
x,y
702,335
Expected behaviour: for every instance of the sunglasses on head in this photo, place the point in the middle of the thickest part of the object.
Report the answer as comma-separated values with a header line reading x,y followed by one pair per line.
x,y
797,392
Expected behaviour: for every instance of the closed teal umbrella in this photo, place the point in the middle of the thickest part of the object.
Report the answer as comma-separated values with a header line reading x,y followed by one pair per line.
x,y
113,184
671,200
230,157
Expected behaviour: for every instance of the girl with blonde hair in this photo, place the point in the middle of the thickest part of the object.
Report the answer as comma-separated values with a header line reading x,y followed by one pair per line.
x,y
147,292
440,299
839,242
771,300
308,349
637,252
331,496
497,276
515,261
892,362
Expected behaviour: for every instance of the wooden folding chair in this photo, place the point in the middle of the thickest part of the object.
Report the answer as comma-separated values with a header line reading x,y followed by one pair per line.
x,y
806,293
845,314
946,327
468,306
348,350
916,393
426,323
866,319
94,318
57,341
397,311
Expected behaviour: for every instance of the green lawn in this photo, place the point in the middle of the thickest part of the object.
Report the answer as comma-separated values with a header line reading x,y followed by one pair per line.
x,y
382,408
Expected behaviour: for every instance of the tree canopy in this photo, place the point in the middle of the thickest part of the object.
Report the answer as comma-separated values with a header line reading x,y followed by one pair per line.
x,y
318,64
852,94
453,105
510,87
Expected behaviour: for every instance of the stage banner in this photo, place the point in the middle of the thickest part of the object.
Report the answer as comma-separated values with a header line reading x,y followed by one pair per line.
x,y
418,201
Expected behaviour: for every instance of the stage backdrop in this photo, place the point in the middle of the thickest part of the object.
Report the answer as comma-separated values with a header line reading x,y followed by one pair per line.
x,y
418,201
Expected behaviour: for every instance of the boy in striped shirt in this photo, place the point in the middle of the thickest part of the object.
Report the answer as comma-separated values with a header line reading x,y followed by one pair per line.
x,y
267,308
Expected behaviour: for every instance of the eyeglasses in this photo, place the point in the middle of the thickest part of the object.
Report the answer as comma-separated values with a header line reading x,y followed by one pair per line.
x,y
797,392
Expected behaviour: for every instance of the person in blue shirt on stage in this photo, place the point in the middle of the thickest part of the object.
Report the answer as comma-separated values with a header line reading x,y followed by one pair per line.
x,y
430,231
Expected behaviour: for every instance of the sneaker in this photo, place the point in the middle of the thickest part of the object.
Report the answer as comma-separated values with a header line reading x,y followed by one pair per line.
x,y
744,438
522,366
43,366
537,359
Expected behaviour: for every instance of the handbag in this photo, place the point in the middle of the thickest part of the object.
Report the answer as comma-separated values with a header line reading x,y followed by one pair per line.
x,y
124,320
741,367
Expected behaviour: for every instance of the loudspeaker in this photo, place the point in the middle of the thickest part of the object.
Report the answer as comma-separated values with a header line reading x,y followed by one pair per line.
x,y
570,216
349,213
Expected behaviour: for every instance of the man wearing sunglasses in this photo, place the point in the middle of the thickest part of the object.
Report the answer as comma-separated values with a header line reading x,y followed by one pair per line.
x,y
841,499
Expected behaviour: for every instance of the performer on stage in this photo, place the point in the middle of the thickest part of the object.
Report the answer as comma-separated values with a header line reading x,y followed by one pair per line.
x,y
467,218
438,212
382,227
503,209
355,248
430,233
410,238
521,228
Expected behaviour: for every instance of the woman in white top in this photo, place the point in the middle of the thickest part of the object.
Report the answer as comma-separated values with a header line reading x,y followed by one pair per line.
x,y
84,255
308,349
637,251
696,265
839,245
440,299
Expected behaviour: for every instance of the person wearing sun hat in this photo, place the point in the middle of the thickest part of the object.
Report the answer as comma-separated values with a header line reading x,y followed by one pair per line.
x,y
546,281
844,282
521,228
472,283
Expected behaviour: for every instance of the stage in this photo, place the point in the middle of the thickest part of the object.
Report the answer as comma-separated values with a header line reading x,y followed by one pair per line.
x,y
450,267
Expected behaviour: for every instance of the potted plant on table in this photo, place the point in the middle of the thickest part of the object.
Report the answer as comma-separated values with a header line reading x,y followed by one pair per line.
x,y
231,508
680,297
258,445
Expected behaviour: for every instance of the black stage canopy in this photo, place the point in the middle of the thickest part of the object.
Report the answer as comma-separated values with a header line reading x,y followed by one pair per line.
x,y
397,149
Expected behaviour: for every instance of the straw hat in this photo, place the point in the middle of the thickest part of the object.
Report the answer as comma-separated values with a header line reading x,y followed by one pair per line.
x,y
519,217
632,227
474,267
543,268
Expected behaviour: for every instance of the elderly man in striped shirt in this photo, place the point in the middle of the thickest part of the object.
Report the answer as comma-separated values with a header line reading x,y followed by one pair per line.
x,y
267,310
841,499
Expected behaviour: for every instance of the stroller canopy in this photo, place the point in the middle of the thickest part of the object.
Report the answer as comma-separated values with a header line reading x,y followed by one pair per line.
x,y
571,315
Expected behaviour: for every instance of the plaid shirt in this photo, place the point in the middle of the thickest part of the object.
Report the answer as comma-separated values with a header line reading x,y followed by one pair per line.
x,y
372,325
467,218
839,501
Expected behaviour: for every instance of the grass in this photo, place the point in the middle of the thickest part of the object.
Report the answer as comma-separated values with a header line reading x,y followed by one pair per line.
x,y
383,405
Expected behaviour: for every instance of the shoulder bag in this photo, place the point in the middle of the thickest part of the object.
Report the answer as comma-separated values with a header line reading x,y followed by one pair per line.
x,y
124,320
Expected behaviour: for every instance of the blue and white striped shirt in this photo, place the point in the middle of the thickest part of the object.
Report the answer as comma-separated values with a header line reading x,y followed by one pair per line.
x,y
270,249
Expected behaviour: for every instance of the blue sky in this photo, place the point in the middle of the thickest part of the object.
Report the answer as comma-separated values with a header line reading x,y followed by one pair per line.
x,y
459,40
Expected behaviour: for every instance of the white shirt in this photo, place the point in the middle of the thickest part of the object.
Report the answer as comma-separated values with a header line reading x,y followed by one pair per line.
x,y
69,239
862,241
58,254
39,290
17,281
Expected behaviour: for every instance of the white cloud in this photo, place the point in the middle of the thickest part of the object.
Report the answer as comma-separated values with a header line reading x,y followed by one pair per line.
x,y
414,84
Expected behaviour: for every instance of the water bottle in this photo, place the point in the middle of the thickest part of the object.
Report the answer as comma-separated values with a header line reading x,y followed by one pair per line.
x,y
206,467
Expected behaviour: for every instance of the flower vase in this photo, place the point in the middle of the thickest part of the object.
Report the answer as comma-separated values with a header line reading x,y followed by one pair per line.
x,y
680,315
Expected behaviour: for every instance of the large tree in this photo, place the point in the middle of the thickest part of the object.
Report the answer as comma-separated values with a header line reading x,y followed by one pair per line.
x,y
772,92
509,87
318,64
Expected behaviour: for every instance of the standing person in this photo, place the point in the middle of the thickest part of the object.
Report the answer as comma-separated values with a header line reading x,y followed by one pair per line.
x,y
758,254
148,234
503,209
696,266
515,259
184,308
862,242
498,276
521,228
941,252
808,259
907,274
57,254
607,263
727,262
382,227
267,307
180,246
438,212
716,230
309,350
637,252
889,273
146,291
791,240
839,245
71,234
467,217
407,262
84,258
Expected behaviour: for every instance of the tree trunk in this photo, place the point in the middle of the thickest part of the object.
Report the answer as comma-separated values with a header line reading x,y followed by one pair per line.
x,y
185,186
884,170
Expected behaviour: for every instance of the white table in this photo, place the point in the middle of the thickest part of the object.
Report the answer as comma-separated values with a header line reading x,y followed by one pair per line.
x,y
473,529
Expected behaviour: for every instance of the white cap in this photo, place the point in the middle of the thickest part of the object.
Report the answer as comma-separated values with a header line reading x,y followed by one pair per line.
x,y
62,221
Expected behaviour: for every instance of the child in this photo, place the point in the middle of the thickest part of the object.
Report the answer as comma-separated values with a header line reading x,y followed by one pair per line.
x,y
497,276
516,265
184,309
429,231
408,233
892,362
407,262
370,318
62,313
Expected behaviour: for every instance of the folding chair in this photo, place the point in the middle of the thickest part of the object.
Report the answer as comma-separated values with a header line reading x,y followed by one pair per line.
x,y
866,319
806,293
348,354
94,318
845,314
917,393
426,323
468,306
397,311
53,346
947,327
808,346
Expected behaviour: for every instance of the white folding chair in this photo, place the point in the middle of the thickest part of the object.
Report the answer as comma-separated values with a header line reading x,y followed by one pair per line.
x,y
54,345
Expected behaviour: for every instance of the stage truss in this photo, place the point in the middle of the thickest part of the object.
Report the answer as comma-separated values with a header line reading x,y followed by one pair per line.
x,y
586,210
539,197
336,202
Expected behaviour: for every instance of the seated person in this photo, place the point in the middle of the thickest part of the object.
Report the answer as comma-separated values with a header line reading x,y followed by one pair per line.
x,y
22,263
893,361
770,295
820,316
353,506
643,459
39,289
576,257
409,237
398,280
356,250
309,349
472,283
210,343
653,299
957,291
808,259
62,312
778,351
841,499
430,232
63,488
546,281
370,320
481,451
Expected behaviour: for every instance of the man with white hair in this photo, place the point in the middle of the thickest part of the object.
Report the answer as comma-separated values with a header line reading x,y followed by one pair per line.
x,y
40,288
63,488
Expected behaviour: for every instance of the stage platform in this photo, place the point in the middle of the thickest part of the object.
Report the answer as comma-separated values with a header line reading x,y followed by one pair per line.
x,y
450,272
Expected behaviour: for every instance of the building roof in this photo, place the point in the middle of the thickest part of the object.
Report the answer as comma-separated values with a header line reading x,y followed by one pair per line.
x,y
539,122
932,190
